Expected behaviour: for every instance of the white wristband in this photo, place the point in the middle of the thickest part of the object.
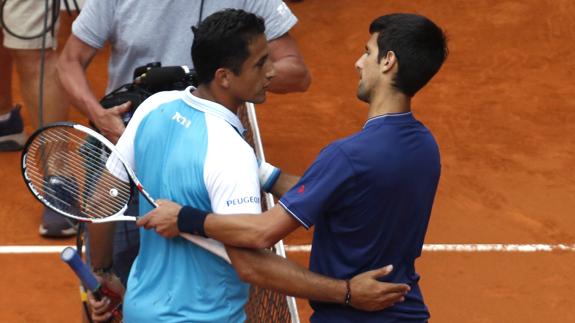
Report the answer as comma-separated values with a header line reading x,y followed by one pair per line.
x,y
268,175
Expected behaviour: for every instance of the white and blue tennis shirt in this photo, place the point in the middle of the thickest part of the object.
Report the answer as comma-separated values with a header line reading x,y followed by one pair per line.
x,y
190,151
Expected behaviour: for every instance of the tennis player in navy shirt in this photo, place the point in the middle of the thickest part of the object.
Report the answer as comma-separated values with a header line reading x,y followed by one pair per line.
x,y
369,196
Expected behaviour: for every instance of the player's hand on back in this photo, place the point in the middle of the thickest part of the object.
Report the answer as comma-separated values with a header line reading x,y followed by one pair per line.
x,y
110,304
109,121
163,219
369,294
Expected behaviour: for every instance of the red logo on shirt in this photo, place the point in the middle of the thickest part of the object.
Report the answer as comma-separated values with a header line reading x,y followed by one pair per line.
x,y
301,189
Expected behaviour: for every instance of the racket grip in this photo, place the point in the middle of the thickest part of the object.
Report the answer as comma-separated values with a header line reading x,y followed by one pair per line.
x,y
71,257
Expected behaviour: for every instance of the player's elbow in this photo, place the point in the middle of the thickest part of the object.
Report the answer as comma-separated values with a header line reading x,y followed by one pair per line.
x,y
265,239
263,242
256,240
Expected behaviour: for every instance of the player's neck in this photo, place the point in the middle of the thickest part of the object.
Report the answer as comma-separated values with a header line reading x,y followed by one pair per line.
x,y
386,103
207,92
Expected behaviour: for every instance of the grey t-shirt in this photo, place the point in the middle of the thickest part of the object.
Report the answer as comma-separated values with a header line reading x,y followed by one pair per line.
x,y
147,31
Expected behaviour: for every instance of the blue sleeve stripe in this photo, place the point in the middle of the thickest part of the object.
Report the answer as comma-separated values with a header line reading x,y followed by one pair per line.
x,y
305,225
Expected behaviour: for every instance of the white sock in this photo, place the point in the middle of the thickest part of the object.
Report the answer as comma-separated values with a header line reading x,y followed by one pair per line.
x,y
5,116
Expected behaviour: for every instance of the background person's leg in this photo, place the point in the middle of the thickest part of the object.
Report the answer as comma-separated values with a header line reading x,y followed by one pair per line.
x,y
24,19
11,126
55,102
5,78
27,19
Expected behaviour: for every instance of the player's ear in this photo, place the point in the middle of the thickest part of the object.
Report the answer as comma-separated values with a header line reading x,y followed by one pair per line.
x,y
388,62
222,77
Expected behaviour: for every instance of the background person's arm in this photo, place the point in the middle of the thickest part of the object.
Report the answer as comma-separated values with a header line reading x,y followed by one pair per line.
x,y
72,65
292,74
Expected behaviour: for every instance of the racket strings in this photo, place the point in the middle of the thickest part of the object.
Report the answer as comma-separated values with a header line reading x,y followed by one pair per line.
x,y
94,158
73,158
78,165
75,193
60,153
70,192
107,206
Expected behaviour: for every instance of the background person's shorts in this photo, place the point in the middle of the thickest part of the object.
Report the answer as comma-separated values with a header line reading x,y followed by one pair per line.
x,y
26,18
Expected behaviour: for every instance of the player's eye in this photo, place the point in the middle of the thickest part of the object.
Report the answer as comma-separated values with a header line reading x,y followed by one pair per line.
x,y
261,63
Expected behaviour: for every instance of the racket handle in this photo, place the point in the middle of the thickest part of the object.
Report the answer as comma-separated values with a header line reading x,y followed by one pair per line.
x,y
71,257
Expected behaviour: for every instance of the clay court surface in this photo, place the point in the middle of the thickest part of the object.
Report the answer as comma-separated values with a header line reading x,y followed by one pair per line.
x,y
502,110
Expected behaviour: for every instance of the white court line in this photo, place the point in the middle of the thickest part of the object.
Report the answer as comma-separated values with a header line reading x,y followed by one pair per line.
x,y
474,248
307,248
31,249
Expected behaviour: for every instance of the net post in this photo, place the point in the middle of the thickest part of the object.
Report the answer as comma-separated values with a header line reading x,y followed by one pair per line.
x,y
256,141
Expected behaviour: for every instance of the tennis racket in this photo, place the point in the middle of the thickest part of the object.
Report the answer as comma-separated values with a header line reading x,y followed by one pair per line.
x,y
89,281
67,167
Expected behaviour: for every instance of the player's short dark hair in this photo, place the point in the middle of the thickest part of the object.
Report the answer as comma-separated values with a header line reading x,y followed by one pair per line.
x,y
419,45
222,41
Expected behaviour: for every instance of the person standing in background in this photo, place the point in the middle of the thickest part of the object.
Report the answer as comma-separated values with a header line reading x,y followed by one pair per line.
x,y
20,49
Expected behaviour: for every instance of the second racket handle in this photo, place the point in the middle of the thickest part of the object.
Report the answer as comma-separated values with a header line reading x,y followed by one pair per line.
x,y
71,257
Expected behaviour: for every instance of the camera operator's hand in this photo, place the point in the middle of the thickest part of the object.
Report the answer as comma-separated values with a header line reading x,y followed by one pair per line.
x,y
109,121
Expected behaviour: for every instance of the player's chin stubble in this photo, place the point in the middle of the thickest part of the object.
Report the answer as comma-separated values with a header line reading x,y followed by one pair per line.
x,y
362,94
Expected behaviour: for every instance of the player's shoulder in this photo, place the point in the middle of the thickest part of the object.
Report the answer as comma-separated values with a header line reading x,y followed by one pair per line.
x,y
346,143
225,136
158,99
152,103
227,151
163,97
353,147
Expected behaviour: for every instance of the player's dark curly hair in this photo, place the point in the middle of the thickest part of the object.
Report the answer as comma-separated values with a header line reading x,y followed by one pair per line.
x,y
419,45
222,40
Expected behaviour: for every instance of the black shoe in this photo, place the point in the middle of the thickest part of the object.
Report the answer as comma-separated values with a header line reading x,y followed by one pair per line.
x,y
55,225
12,137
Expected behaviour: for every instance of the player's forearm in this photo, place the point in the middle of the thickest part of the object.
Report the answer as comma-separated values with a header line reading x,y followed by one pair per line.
x,y
242,230
284,183
292,75
268,270
247,230
101,237
250,230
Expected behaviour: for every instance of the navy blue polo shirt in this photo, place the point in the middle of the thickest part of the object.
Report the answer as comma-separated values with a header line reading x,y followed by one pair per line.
x,y
369,197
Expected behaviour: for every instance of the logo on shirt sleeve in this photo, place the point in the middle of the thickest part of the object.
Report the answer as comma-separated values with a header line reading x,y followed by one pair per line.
x,y
181,120
301,189
243,200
